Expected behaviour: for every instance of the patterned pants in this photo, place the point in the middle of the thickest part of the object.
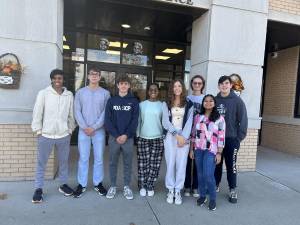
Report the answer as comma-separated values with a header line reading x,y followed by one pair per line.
x,y
150,153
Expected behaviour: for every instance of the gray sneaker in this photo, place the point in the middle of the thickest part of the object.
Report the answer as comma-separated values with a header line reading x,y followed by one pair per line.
x,y
128,193
111,192
232,196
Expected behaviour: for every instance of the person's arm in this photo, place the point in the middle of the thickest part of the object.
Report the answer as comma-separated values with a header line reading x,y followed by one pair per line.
x,y
186,132
242,119
100,120
109,126
221,134
166,122
78,112
132,127
138,129
71,120
38,113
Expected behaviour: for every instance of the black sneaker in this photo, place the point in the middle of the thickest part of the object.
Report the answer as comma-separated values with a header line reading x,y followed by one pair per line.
x,y
66,190
212,205
232,196
201,201
37,196
79,191
100,189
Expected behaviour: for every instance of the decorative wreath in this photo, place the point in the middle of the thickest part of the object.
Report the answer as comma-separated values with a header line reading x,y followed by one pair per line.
x,y
10,71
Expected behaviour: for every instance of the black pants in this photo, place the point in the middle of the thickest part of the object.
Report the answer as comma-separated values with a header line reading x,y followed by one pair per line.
x,y
189,182
230,151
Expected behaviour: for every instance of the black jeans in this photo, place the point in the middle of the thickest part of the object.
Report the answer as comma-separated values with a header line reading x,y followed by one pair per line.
x,y
189,182
230,151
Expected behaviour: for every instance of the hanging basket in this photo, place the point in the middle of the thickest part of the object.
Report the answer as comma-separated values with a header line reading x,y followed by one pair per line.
x,y
10,71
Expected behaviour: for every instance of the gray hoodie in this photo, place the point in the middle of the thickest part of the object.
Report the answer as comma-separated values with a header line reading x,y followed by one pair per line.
x,y
234,111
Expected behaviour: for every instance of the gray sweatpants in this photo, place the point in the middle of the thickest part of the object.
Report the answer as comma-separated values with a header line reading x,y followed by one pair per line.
x,y
114,152
45,146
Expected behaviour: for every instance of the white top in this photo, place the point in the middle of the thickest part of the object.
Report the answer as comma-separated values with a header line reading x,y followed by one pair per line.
x,y
177,117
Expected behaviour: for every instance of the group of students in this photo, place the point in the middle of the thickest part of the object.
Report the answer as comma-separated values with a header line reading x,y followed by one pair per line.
x,y
195,133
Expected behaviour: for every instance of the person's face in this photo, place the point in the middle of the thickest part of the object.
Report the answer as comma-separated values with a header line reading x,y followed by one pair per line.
x,y
57,81
197,84
123,87
208,103
94,77
153,92
225,87
177,89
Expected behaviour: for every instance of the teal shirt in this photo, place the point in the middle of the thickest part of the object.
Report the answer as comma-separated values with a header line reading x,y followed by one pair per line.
x,y
150,120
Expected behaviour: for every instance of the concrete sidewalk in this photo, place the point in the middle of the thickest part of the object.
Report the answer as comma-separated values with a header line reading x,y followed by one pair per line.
x,y
269,196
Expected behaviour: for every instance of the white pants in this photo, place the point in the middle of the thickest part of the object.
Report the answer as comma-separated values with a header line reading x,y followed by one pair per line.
x,y
176,159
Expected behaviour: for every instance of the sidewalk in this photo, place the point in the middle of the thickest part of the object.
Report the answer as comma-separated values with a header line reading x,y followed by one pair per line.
x,y
270,196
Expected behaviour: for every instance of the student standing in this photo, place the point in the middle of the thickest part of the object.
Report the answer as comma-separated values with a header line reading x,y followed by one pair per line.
x,y
233,109
208,136
197,85
177,120
150,143
121,119
53,122
90,105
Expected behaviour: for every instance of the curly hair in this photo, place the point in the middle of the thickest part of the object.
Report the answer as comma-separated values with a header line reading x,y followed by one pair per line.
x,y
214,115
171,96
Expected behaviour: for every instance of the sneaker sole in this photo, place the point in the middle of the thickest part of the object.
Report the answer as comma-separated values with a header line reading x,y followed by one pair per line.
x,y
212,209
101,194
64,193
170,202
129,198
109,197
36,202
178,203
202,203
232,200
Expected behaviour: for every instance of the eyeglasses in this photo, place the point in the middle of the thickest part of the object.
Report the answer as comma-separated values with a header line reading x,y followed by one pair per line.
x,y
197,83
94,74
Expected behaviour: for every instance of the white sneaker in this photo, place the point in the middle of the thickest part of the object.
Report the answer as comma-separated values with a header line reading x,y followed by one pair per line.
x,y
128,193
187,192
170,197
150,193
111,192
195,193
143,192
178,199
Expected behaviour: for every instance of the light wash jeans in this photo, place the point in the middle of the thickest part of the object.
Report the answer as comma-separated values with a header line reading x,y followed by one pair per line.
x,y
84,146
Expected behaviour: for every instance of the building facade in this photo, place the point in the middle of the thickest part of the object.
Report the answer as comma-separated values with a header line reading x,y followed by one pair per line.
x,y
166,39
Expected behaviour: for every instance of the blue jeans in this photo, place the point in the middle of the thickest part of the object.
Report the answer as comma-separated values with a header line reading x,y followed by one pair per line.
x,y
84,146
206,164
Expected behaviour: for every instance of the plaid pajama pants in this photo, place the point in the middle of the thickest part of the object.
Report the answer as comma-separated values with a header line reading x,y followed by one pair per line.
x,y
150,153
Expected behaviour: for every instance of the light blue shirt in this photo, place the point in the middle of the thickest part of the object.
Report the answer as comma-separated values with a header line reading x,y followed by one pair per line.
x,y
150,120
90,107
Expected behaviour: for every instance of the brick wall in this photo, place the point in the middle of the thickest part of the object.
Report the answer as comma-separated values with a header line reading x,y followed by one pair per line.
x,y
280,91
247,154
280,88
288,6
282,137
18,154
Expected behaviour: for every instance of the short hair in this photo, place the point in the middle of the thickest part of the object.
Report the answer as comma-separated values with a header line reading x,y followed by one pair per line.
x,y
153,84
56,72
95,69
223,78
203,82
123,78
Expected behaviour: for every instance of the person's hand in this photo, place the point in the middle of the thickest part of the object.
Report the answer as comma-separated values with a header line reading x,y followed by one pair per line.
x,y
218,158
122,139
191,154
180,140
89,131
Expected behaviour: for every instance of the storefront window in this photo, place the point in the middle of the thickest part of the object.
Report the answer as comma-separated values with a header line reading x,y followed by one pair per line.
x,y
73,45
75,76
137,53
102,48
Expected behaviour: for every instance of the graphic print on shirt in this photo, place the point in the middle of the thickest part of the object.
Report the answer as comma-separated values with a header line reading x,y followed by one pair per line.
x,y
122,107
222,109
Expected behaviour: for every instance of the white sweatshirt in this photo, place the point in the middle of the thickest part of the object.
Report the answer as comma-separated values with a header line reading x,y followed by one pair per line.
x,y
53,113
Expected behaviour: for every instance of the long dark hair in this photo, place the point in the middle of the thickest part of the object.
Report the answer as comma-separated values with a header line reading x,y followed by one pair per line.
x,y
171,96
214,115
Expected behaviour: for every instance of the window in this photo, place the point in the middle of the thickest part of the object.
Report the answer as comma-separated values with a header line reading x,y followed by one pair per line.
x,y
297,100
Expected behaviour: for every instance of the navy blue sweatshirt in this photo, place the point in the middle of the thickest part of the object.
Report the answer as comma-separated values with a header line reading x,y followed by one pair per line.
x,y
121,115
